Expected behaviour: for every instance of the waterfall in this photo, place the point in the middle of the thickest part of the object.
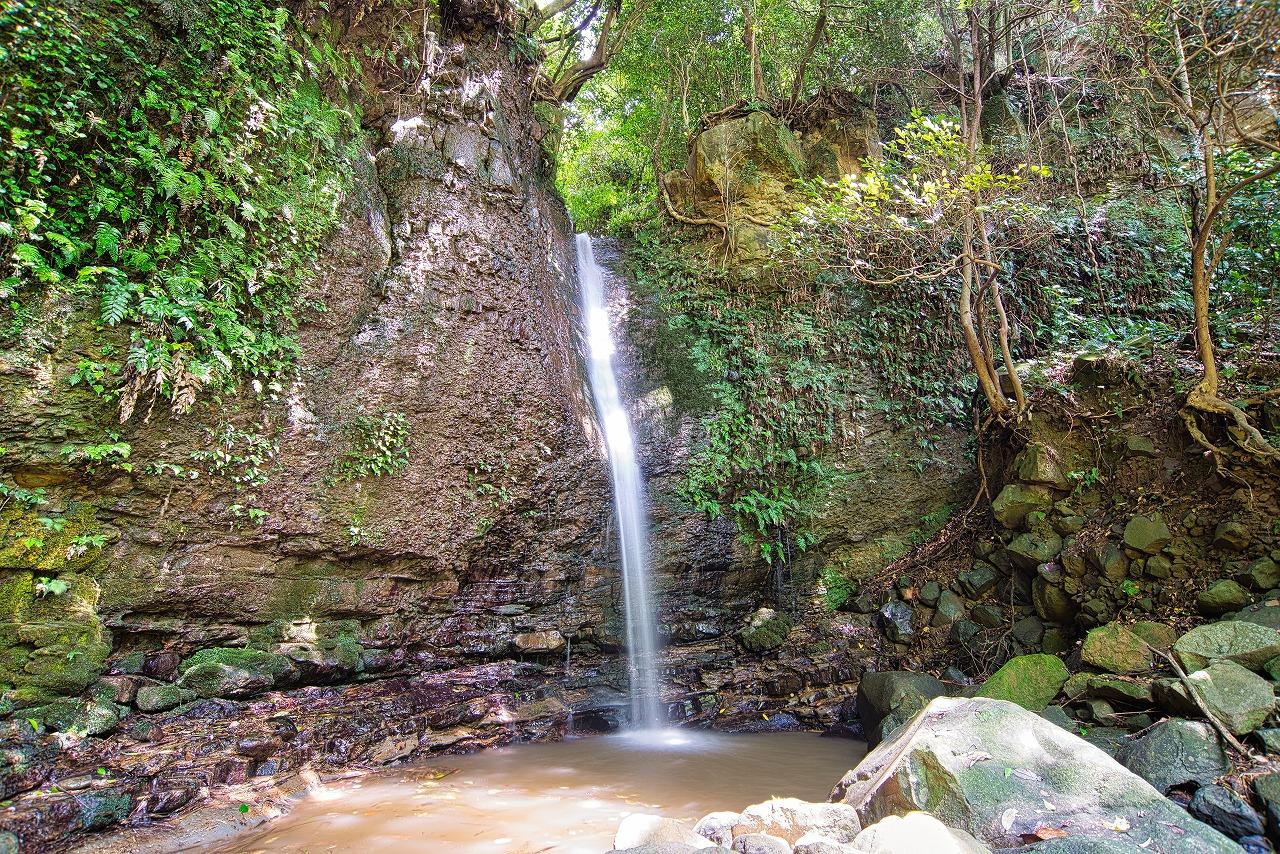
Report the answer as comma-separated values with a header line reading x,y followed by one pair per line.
x,y
628,494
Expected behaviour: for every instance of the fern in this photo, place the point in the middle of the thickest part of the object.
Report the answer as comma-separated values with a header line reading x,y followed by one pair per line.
x,y
106,240
116,296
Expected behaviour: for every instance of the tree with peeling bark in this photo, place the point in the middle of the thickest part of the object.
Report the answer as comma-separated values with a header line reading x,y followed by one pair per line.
x,y
1210,67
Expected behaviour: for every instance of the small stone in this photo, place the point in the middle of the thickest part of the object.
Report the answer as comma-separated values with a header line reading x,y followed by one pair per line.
x,y
1222,597
929,593
1267,788
162,696
1038,463
1231,536
760,843
987,616
543,641
1224,810
718,827
1031,681
1158,566
1116,649
1059,717
950,609
978,581
1029,631
1140,446
1147,534
1051,602
1055,641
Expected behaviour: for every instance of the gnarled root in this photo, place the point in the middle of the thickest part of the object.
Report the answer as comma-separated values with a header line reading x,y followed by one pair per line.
x,y
1204,399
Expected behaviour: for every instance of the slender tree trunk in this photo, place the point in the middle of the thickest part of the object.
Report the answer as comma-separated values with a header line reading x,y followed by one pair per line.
x,y
1006,353
819,28
753,50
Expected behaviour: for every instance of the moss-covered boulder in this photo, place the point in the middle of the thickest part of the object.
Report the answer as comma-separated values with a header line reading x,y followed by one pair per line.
x,y
1222,597
1115,649
766,630
1017,500
1147,534
227,672
1031,681
1002,773
1031,549
1240,699
1247,644
162,696
1038,464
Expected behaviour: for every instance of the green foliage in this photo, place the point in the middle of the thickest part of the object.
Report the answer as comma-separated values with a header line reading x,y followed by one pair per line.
x,y
244,457
773,380
379,446
837,587
175,166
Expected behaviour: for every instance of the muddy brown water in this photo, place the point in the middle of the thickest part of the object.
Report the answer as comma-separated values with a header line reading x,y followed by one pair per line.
x,y
560,798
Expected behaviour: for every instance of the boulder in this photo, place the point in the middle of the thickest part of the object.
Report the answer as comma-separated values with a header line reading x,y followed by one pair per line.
x,y
1224,810
161,696
1230,536
894,619
888,699
767,629
1147,534
1263,574
1267,788
1004,774
1017,500
950,609
1115,649
978,581
1052,603
1222,597
1241,700
1031,681
813,843
760,843
1247,644
642,829
1266,613
233,672
915,832
1029,631
789,819
1038,463
1027,551
1176,754
718,827
929,594
1115,689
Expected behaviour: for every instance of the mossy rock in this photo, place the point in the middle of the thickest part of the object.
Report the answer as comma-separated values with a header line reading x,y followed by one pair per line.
x,y
1247,644
1031,681
766,630
51,643
1115,649
67,549
161,697
230,672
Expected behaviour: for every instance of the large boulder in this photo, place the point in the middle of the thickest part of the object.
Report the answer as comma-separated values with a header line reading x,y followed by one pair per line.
x,y
915,832
1176,754
1247,644
1115,649
888,699
1219,807
1007,776
790,819
639,830
1031,681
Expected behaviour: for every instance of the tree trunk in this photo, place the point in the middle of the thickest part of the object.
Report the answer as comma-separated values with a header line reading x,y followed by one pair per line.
x,y
753,50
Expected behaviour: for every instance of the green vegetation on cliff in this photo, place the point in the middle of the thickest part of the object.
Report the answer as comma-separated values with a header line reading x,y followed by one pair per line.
x,y
174,167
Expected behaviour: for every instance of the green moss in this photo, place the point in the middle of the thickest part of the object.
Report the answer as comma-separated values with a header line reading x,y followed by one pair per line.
x,y
31,538
252,660
53,643
767,630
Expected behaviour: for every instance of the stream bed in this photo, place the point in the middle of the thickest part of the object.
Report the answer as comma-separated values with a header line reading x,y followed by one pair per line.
x,y
564,797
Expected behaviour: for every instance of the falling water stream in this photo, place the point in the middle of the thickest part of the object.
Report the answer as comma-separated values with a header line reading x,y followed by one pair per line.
x,y
628,493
